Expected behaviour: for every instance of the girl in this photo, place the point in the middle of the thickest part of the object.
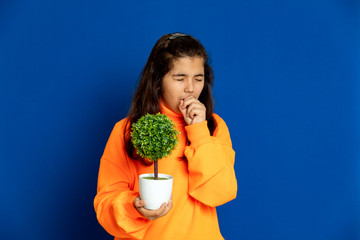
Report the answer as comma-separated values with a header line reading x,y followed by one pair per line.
x,y
175,81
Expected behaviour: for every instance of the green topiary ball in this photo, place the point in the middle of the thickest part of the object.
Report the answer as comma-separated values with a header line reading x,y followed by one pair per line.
x,y
154,136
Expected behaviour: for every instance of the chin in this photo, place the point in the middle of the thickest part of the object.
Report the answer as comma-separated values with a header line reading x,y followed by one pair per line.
x,y
175,109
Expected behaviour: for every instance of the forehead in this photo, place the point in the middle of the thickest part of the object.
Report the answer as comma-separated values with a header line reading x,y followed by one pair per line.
x,y
188,64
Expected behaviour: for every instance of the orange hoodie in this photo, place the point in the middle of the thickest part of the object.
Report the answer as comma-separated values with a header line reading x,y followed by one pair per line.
x,y
203,174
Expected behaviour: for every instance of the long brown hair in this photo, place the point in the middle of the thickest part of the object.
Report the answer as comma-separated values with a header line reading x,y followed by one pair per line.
x,y
168,48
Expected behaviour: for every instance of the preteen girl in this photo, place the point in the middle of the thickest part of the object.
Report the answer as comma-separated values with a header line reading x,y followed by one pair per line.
x,y
175,81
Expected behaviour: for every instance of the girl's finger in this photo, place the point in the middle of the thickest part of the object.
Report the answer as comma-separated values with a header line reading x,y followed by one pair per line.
x,y
152,215
189,100
182,106
193,106
193,112
196,112
139,203
167,208
183,112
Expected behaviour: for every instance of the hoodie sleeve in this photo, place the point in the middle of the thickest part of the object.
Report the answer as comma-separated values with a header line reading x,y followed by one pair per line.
x,y
113,203
211,160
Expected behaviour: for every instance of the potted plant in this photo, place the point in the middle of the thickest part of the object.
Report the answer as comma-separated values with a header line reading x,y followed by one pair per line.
x,y
154,137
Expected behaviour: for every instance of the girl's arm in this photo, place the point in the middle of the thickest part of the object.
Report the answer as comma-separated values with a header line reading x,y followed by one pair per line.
x,y
211,160
115,196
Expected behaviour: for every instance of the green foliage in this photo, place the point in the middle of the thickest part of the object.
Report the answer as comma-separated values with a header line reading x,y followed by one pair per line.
x,y
154,136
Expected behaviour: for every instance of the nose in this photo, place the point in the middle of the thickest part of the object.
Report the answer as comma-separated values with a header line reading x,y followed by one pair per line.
x,y
189,86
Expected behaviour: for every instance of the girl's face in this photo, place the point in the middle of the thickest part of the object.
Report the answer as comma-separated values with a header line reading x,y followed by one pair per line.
x,y
185,79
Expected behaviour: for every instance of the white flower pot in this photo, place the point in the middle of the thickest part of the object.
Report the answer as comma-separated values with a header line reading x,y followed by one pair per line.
x,y
155,192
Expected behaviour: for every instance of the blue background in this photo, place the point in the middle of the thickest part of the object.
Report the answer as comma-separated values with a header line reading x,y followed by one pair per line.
x,y
287,84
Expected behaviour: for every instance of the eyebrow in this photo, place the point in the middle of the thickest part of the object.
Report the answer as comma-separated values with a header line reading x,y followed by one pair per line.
x,y
184,75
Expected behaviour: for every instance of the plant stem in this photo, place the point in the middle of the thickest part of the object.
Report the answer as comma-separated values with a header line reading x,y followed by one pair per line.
x,y
155,170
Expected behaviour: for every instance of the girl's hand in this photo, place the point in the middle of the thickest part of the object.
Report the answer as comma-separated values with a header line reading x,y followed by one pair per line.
x,y
152,214
192,110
